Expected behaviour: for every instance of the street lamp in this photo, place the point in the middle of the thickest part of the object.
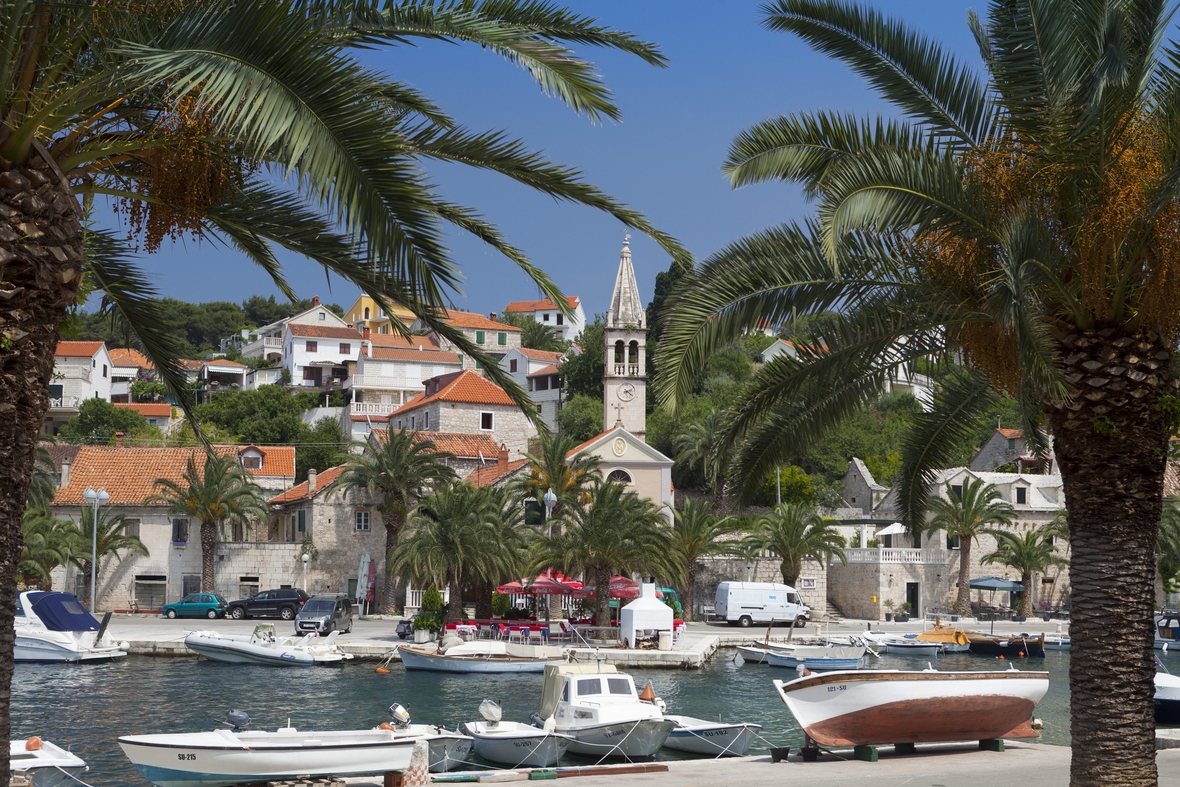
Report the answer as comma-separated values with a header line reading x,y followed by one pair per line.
x,y
306,560
550,500
749,568
98,498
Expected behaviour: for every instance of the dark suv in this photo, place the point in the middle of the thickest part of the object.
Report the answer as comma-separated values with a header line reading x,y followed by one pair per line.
x,y
283,603
325,613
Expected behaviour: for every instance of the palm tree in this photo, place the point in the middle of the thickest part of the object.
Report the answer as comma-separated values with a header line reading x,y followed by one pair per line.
x,y
613,531
539,336
47,545
698,533
513,540
1018,219
394,475
702,444
218,493
456,537
253,123
967,516
109,538
551,468
794,532
1029,553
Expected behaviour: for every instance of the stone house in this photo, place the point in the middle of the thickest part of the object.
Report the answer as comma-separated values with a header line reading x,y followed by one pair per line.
x,y
389,374
545,311
81,371
468,452
172,568
495,338
861,490
1008,447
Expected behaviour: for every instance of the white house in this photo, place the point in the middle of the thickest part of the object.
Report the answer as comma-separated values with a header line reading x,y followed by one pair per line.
x,y
320,355
159,414
81,370
267,341
546,312
538,372
126,365
390,374
902,378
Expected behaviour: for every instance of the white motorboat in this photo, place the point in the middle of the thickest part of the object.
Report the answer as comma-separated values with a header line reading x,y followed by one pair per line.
x,y
1167,698
222,758
44,764
53,628
712,738
482,656
515,744
264,647
817,657
754,654
1058,642
901,643
447,749
880,707
598,707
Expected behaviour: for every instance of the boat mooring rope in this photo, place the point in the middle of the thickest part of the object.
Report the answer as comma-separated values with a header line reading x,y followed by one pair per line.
x,y
72,776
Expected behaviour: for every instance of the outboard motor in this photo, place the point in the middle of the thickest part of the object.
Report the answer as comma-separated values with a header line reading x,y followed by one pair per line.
x,y
490,712
238,720
536,720
401,716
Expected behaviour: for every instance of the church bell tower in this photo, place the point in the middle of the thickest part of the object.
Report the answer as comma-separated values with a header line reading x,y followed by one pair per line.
x,y
625,377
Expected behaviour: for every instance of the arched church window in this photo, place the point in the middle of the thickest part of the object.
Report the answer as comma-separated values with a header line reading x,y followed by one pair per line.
x,y
620,350
633,353
619,476
366,312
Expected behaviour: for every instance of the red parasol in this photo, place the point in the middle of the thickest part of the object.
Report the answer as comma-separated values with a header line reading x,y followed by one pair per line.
x,y
539,586
620,587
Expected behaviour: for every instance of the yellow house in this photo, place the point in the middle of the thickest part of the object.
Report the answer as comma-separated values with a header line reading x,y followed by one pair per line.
x,y
366,312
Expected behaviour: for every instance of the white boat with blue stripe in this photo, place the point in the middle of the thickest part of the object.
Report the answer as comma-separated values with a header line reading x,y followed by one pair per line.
x,y
266,648
222,758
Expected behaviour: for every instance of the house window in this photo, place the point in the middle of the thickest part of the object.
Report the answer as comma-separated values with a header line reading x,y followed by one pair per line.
x,y
426,420
1011,444
179,531
542,384
399,423
131,528
252,462
560,318
512,365
362,521
502,338
104,370
152,422
619,476
957,491
952,542
366,312
485,421
412,417
479,336
545,317
345,348
323,316
1021,495
302,526
313,347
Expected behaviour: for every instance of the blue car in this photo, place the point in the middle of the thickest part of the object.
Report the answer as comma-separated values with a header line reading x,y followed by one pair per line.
x,y
197,605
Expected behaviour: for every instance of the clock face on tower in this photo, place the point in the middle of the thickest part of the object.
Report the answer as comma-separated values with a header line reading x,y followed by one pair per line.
x,y
626,392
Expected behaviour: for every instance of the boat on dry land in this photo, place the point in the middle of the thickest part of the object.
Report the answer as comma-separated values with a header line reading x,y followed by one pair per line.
x,y
880,707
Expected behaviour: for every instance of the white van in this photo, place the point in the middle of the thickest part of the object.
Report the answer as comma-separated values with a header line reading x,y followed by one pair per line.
x,y
743,603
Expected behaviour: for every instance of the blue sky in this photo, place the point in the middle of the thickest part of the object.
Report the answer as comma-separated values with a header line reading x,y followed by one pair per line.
x,y
664,158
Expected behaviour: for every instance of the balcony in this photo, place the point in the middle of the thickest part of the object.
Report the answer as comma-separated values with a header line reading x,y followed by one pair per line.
x,y
376,382
261,348
911,556
373,408
626,370
65,403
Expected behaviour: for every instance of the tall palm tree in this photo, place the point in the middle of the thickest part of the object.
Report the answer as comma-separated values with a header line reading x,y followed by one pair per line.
x,y
702,444
613,531
394,474
253,123
794,532
538,336
967,515
1030,553
108,538
551,468
513,539
217,493
455,537
698,533
47,544
1018,218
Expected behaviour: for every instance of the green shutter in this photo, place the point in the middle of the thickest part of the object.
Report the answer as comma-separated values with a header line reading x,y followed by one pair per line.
x,y
502,339
302,521
479,337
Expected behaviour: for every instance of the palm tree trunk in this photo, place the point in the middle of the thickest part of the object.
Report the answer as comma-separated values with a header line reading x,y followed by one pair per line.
x,y
208,555
393,530
455,605
1111,443
85,569
963,603
1026,607
602,596
790,570
690,591
483,600
40,270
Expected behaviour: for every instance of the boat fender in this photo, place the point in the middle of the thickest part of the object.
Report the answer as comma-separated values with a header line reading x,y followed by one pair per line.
x,y
1037,724
33,744
385,726
382,671
550,725
663,706
648,694
1001,657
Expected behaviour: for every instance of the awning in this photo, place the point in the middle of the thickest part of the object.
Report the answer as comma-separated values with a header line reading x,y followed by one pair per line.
x,y
994,583
896,529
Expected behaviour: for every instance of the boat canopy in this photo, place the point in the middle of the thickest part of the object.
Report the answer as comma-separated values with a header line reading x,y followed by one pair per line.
x,y
61,612
555,679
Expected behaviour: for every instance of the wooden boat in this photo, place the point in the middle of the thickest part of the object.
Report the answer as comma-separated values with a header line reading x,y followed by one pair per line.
x,y
265,648
44,764
900,643
446,750
951,640
1015,646
482,657
712,738
818,658
880,707
753,654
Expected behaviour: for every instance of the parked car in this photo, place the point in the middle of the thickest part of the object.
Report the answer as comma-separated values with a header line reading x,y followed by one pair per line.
x,y
325,613
283,603
197,605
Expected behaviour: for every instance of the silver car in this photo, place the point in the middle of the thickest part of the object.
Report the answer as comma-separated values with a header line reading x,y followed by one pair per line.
x,y
325,613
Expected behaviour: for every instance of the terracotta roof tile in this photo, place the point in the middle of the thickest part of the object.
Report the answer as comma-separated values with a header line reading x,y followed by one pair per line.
x,y
472,320
129,356
61,451
540,306
129,474
465,386
397,340
190,364
67,349
225,362
413,355
1011,434
538,355
299,491
147,408
324,332
548,370
490,474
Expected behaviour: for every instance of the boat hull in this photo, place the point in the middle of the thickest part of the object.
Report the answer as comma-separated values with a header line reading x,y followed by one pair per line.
x,y
48,766
30,649
1009,649
521,749
787,660
880,708
629,740
237,652
711,739
54,777
1167,698
755,655
417,660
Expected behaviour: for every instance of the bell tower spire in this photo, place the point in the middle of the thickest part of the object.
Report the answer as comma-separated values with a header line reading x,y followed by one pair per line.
x,y
625,378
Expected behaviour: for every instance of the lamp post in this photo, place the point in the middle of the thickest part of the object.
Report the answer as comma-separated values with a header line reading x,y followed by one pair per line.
x,y
749,569
306,560
98,498
550,500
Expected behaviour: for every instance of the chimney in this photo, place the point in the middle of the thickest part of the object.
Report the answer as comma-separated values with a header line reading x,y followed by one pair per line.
x,y
502,458
311,481
65,472
315,300
493,314
118,439
365,333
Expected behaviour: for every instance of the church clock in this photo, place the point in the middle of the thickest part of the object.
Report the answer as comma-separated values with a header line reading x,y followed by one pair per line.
x,y
626,391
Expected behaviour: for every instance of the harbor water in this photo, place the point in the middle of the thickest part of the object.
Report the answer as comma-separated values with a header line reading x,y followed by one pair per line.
x,y
85,708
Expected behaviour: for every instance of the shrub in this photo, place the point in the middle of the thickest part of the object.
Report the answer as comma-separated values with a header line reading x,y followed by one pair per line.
x,y
432,600
500,604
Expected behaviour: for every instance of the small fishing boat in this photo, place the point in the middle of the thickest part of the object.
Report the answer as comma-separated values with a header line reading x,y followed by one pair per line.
x,y
900,643
880,707
447,749
515,744
1015,646
1057,643
753,654
43,764
598,707
54,628
1167,629
265,648
222,758
818,658
951,640
482,657
712,738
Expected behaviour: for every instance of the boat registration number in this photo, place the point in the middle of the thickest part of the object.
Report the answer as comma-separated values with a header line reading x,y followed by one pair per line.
x,y
186,756
841,687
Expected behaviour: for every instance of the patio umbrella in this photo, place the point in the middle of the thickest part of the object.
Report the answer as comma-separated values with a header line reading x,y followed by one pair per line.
x,y
995,583
537,586
896,529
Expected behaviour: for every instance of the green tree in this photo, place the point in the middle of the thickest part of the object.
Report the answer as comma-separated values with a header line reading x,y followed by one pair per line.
x,y
218,492
320,446
794,532
1168,547
394,474
48,542
966,516
1030,553
583,372
794,486
613,530
581,417
267,415
698,533
97,422
551,467
1019,217
108,539
701,445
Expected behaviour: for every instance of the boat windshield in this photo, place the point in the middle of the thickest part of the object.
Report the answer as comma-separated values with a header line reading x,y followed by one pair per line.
x,y
620,686
321,607
589,686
